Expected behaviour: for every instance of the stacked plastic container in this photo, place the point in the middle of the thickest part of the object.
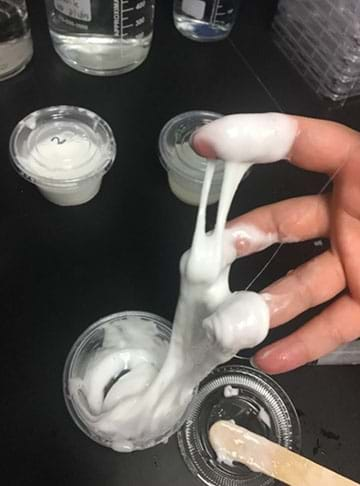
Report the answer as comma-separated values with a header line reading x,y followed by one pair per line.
x,y
322,40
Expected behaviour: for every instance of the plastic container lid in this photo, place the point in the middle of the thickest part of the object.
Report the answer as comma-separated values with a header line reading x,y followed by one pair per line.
x,y
62,146
256,402
176,153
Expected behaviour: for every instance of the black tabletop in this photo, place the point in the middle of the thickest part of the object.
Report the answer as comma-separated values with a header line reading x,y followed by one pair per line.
x,y
63,268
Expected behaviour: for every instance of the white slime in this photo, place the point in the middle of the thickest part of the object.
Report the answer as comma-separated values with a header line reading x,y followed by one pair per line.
x,y
211,323
230,391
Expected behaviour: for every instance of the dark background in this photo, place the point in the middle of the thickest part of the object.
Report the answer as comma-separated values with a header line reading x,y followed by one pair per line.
x,y
63,268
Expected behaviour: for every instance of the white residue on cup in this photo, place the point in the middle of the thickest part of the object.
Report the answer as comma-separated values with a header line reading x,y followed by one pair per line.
x,y
64,151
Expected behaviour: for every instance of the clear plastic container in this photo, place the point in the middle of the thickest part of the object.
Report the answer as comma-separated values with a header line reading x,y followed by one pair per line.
x,y
255,402
323,76
185,168
81,354
65,151
205,20
329,66
322,40
99,37
16,48
331,41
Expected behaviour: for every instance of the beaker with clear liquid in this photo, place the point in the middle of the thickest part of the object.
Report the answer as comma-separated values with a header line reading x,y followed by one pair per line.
x,y
205,20
16,48
101,37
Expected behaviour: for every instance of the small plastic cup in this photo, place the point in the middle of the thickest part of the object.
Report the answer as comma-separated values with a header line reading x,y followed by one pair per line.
x,y
65,151
255,402
81,354
185,168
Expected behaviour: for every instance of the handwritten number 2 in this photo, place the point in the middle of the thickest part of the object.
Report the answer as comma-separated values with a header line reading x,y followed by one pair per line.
x,y
58,141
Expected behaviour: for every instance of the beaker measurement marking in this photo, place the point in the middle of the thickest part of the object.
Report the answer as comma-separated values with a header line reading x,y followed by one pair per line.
x,y
139,21
121,25
128,26
223,10
215,11
57,140
124,10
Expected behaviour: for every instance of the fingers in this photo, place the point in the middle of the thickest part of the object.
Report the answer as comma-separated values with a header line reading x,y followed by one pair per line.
x,y
241,321
317,145
336,325
248,137
309,285
346,221
296,219
322,146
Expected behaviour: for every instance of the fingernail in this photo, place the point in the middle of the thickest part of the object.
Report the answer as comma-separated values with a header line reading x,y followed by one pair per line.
x,y
253,363
243,247
249,239
279,358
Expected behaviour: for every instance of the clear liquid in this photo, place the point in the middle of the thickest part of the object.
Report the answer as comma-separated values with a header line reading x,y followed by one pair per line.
x,y
101,55
101,38
15,39
205,21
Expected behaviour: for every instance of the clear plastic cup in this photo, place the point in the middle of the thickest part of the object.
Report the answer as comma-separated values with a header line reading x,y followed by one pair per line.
x,y
80,356
255,402
65,151
185,168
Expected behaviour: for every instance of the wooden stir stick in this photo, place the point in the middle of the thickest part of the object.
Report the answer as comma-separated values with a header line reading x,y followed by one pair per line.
x,y
234,443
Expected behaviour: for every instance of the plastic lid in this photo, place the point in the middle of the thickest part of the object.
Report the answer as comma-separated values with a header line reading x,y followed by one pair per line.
x,y
176,153
253,401
62,145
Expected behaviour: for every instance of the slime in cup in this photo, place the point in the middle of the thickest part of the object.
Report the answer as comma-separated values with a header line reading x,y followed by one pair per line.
x,y
65,151
126,394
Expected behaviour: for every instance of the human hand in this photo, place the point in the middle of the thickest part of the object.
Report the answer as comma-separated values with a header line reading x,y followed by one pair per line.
x,y
320,146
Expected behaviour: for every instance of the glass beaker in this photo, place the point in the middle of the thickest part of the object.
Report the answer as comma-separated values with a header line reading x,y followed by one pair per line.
x,y
205,20
16,47
101,38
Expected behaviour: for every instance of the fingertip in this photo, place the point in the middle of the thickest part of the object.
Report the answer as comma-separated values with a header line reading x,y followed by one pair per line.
x,y
273,360
253,363
202,146
260,364
269,368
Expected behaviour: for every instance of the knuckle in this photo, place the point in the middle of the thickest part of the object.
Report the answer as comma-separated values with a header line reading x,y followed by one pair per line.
x,y
338,334
305,348
304,289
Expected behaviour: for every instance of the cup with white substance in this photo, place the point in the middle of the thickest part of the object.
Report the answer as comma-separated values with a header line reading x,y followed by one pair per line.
x,y
107,374
64,151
